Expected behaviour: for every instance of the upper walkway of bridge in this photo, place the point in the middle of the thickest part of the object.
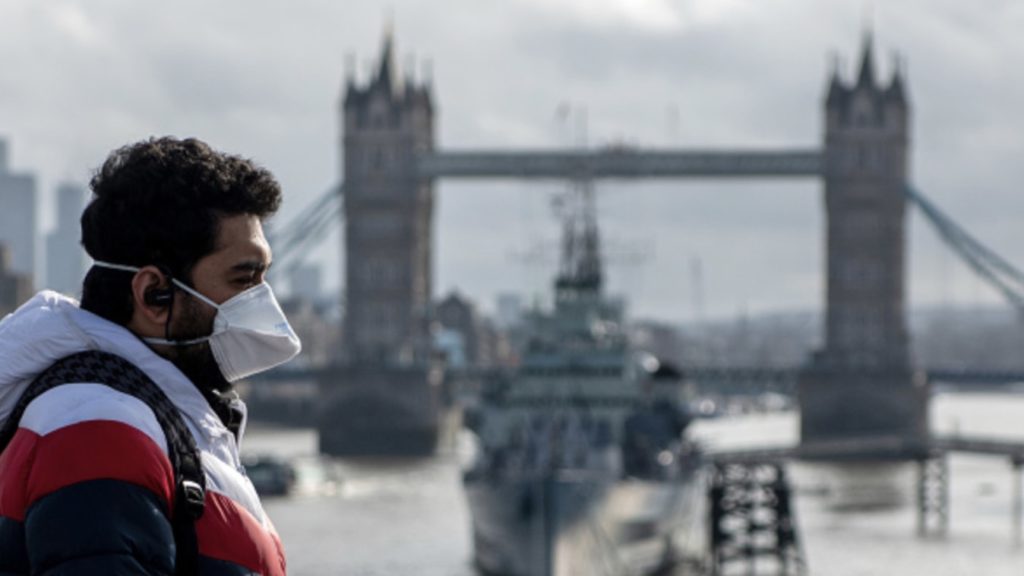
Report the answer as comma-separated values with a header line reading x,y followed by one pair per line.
x,y
620,162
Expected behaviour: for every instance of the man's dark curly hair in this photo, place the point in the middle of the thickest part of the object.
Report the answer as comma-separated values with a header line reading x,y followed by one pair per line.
x,y
159,202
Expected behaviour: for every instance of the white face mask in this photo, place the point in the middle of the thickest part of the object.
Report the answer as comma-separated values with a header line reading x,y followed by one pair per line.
x,y
250,332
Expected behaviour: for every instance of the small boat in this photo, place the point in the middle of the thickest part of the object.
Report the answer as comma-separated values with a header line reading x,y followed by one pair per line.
x,y
270,475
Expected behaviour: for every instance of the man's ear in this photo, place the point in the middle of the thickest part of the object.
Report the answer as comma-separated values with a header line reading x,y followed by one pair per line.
x,y
152,295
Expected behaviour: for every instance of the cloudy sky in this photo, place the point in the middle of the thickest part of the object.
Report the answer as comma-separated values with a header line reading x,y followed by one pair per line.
x,y
260,78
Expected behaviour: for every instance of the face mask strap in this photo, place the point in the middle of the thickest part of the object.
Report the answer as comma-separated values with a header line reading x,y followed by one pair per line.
x,y
120,267
166,340
193,292
175,281
176,343
170,314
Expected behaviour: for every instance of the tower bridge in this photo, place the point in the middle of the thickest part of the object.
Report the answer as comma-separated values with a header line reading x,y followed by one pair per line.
x,y
860,383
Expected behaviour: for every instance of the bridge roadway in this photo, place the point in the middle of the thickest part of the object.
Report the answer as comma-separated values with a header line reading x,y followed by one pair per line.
x,y
881,446
776,375
620,162
788,375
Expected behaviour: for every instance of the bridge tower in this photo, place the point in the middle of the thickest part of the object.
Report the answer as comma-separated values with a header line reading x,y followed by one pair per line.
x,y
384,398
388,216
861,383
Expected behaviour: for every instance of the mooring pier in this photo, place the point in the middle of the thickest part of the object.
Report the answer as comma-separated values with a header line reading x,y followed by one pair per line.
x,y
931,456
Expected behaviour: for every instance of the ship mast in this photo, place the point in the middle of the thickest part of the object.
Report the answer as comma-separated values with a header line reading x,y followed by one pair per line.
x,y
580,270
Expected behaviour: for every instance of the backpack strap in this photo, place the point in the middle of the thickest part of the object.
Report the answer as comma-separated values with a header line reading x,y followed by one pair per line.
x,y
121,375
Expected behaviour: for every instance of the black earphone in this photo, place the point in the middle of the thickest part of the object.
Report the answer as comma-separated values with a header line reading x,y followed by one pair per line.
x,y
159,296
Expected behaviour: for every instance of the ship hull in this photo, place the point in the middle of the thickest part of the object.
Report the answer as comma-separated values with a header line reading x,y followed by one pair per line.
x,y
579,524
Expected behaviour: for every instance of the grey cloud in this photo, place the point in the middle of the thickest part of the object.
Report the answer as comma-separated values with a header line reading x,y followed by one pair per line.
x,y
263,79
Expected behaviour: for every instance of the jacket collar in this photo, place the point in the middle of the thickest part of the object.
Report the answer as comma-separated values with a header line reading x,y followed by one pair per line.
x,y
51,326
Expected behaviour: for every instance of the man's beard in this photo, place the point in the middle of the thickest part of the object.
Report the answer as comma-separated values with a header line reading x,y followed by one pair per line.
x,y
196,361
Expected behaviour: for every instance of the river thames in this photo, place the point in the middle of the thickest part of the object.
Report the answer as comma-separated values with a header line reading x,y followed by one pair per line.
x,y
390,517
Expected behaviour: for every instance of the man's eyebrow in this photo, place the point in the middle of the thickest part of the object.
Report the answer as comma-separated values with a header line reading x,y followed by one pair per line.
x,y
251,266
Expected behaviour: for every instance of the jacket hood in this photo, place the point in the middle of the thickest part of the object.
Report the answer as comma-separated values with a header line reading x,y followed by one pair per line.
x,y
51,326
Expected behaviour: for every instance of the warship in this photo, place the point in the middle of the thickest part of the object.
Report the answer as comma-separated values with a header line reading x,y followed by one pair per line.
x,y
582,465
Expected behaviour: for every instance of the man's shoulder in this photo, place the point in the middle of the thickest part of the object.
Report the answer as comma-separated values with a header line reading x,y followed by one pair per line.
x,y
78,434
91,405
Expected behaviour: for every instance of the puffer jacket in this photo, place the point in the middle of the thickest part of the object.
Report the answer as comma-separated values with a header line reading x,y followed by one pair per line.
x,y
86,484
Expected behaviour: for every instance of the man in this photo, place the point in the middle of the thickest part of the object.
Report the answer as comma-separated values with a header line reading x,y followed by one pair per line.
x,y
86,483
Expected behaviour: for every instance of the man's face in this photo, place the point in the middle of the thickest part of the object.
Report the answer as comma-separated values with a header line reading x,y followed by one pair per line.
x,y
239,262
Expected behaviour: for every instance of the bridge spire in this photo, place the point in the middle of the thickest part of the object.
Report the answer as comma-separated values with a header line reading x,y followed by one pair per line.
x,y
386,78
837,92
866,77
895,92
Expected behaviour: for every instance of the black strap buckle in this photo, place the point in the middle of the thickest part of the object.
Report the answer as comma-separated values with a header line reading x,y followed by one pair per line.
x,y
192,497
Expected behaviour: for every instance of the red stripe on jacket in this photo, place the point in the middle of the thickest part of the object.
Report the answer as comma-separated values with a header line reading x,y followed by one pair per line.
x,y
34,466
227,531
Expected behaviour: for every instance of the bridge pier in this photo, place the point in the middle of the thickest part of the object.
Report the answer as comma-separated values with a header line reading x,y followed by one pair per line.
x,y
933,495
1017,506
379,410
837,405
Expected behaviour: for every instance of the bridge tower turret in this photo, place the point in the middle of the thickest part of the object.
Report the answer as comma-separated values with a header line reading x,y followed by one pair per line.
x,y
387,123
860,384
